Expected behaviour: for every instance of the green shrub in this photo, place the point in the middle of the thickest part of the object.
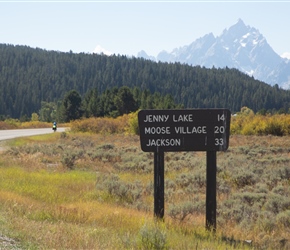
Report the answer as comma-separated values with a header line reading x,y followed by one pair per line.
x,y
184,209
63,135
244,178
266,221
153,237
68,159
251,198
122,191
277,203
284,218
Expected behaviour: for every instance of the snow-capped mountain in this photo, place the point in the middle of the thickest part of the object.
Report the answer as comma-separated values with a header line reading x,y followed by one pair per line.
x,y
242,47
101,50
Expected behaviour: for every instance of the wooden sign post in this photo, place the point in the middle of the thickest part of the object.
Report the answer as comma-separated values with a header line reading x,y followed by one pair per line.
x,y
159,184
185,130
211,204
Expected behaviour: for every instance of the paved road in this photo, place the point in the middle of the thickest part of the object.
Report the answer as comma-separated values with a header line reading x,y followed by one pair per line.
x,y
10,134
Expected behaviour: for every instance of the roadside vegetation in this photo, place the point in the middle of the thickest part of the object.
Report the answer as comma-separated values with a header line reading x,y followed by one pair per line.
x,y
92,188
16,124
245,122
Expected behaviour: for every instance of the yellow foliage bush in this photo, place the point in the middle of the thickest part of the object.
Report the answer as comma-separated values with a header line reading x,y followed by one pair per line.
x,y
16,124
35,124
127,124
278,124
5,125
12,123
133,127
101,125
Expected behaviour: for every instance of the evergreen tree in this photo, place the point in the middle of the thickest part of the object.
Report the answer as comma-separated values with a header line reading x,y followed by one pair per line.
x,y
91,104
108,106
72,106
47,113
125,102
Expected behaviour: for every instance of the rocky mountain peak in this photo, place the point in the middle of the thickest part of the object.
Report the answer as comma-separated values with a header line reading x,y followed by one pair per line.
x,y
240,46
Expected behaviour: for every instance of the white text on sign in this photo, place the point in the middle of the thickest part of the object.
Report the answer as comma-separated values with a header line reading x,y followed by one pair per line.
x,y
165,118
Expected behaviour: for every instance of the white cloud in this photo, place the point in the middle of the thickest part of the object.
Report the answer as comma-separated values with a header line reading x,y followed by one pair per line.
x,y
99,50
286,55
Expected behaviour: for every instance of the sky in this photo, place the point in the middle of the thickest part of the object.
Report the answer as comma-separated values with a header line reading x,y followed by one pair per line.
x,y
127,27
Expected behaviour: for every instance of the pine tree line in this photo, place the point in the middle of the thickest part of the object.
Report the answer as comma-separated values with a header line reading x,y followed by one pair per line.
x,y
30,77
111,103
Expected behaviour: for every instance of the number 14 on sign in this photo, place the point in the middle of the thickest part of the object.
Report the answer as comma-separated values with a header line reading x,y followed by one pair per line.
x,y
221,117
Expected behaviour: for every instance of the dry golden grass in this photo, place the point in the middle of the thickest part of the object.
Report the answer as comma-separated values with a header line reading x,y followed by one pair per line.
x,y
54,193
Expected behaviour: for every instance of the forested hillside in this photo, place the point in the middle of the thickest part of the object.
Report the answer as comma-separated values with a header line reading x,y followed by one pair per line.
x,y
30,76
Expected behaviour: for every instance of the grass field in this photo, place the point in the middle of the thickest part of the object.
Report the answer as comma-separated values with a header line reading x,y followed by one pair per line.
x,y
84,191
